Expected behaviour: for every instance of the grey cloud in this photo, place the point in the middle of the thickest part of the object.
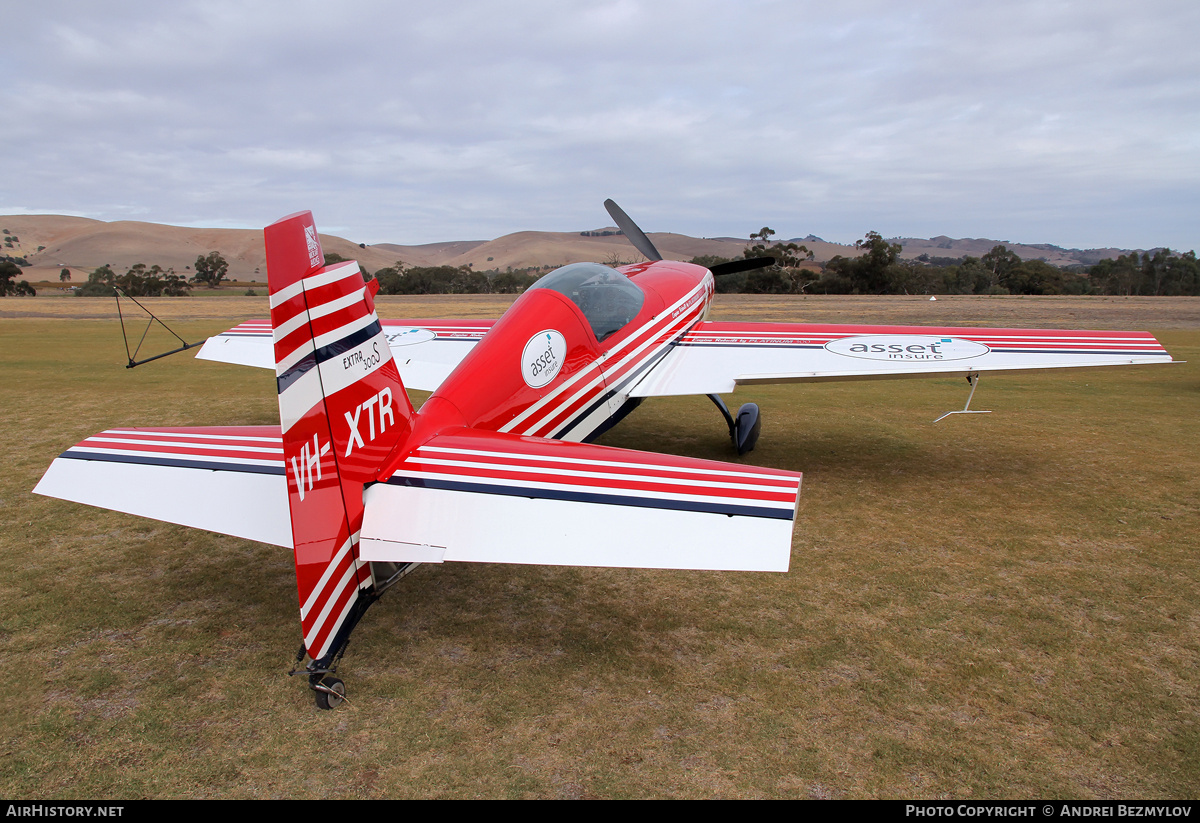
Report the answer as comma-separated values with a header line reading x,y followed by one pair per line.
x,y
1073,122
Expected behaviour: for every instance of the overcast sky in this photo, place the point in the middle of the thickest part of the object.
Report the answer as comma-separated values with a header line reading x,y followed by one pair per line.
x,y
1074,123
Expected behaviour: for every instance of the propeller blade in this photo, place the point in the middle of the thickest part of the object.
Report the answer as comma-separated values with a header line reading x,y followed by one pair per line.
x,y
735,266
635,235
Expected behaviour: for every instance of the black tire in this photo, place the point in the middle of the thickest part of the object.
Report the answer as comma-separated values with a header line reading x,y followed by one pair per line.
x,y
330,693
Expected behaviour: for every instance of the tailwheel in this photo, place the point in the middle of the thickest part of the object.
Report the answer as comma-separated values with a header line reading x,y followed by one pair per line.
x,y
329,692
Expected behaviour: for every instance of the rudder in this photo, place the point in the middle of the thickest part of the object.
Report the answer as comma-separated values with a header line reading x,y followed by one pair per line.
x,y
342,408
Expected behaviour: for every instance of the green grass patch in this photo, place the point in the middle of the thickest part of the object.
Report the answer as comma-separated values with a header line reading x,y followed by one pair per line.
x,y
998,605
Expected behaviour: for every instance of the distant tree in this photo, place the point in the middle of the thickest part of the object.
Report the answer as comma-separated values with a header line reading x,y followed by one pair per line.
x,y
1168,273
1002,264
64,275
211,269
389,278
787,276
511,282
137,281
869,273
9,286
99,283
1162,272
1119,276
431,280
913,277
1039,277
872,271
173,285
614,261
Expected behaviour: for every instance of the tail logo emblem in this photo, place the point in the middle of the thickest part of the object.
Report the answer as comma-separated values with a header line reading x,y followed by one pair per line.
x,y
314,246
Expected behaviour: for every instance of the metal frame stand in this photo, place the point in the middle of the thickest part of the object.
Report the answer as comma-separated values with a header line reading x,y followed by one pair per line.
x,y
132,357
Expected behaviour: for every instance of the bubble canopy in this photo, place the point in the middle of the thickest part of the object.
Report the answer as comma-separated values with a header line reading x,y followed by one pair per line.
x,y
608,299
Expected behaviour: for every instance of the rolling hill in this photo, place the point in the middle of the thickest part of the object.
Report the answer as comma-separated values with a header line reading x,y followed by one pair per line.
x,y
50,242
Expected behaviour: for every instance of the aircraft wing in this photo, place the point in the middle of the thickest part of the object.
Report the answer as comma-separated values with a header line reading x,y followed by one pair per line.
x,y
425,351
714,358
228,480
487,497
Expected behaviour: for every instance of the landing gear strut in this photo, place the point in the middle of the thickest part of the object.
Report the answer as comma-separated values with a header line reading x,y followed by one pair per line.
x,y
328,691
744,429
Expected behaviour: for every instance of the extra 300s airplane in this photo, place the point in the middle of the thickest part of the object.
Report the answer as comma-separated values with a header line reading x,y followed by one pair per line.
x,y
496,466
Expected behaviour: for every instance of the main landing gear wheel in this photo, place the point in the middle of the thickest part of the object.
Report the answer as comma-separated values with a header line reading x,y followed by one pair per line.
x,y
330,693
745,428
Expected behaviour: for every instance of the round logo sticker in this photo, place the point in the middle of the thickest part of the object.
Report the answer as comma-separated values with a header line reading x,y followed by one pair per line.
x,y
542,358
408,336
907,347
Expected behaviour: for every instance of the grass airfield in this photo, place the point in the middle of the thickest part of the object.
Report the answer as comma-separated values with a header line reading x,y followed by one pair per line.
x,y
996,606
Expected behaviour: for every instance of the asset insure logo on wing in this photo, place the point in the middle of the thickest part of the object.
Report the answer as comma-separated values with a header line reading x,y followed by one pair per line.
x,y
543,357
408,336
906,347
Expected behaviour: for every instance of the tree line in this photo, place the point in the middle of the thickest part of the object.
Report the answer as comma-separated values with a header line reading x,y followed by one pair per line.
x,y
877,269
154,281
399,279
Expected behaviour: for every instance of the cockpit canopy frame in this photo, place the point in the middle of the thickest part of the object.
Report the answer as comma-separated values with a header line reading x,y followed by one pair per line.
x,y
608,299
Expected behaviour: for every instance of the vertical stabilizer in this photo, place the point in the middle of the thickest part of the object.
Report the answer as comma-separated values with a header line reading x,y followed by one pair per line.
x,y
342,408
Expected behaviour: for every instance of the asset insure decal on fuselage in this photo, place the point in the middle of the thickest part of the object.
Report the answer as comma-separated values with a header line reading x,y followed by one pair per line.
x,y
543,357
906,347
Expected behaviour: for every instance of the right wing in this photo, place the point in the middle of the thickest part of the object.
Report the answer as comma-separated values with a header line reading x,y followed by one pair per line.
x,y
488,497
716,357
425,351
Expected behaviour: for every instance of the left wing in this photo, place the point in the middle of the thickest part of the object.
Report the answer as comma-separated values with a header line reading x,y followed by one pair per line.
x,y
425,351
714,358
228,479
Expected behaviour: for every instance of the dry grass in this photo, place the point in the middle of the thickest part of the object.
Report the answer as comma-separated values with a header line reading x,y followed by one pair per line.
x,y
228,307
996,606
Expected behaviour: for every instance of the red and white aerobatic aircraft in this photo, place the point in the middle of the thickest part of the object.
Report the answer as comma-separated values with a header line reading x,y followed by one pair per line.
x,y
496,467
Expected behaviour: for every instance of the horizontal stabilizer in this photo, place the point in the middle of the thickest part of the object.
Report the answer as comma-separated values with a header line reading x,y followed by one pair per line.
x,y
228,480
425,351
498,498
